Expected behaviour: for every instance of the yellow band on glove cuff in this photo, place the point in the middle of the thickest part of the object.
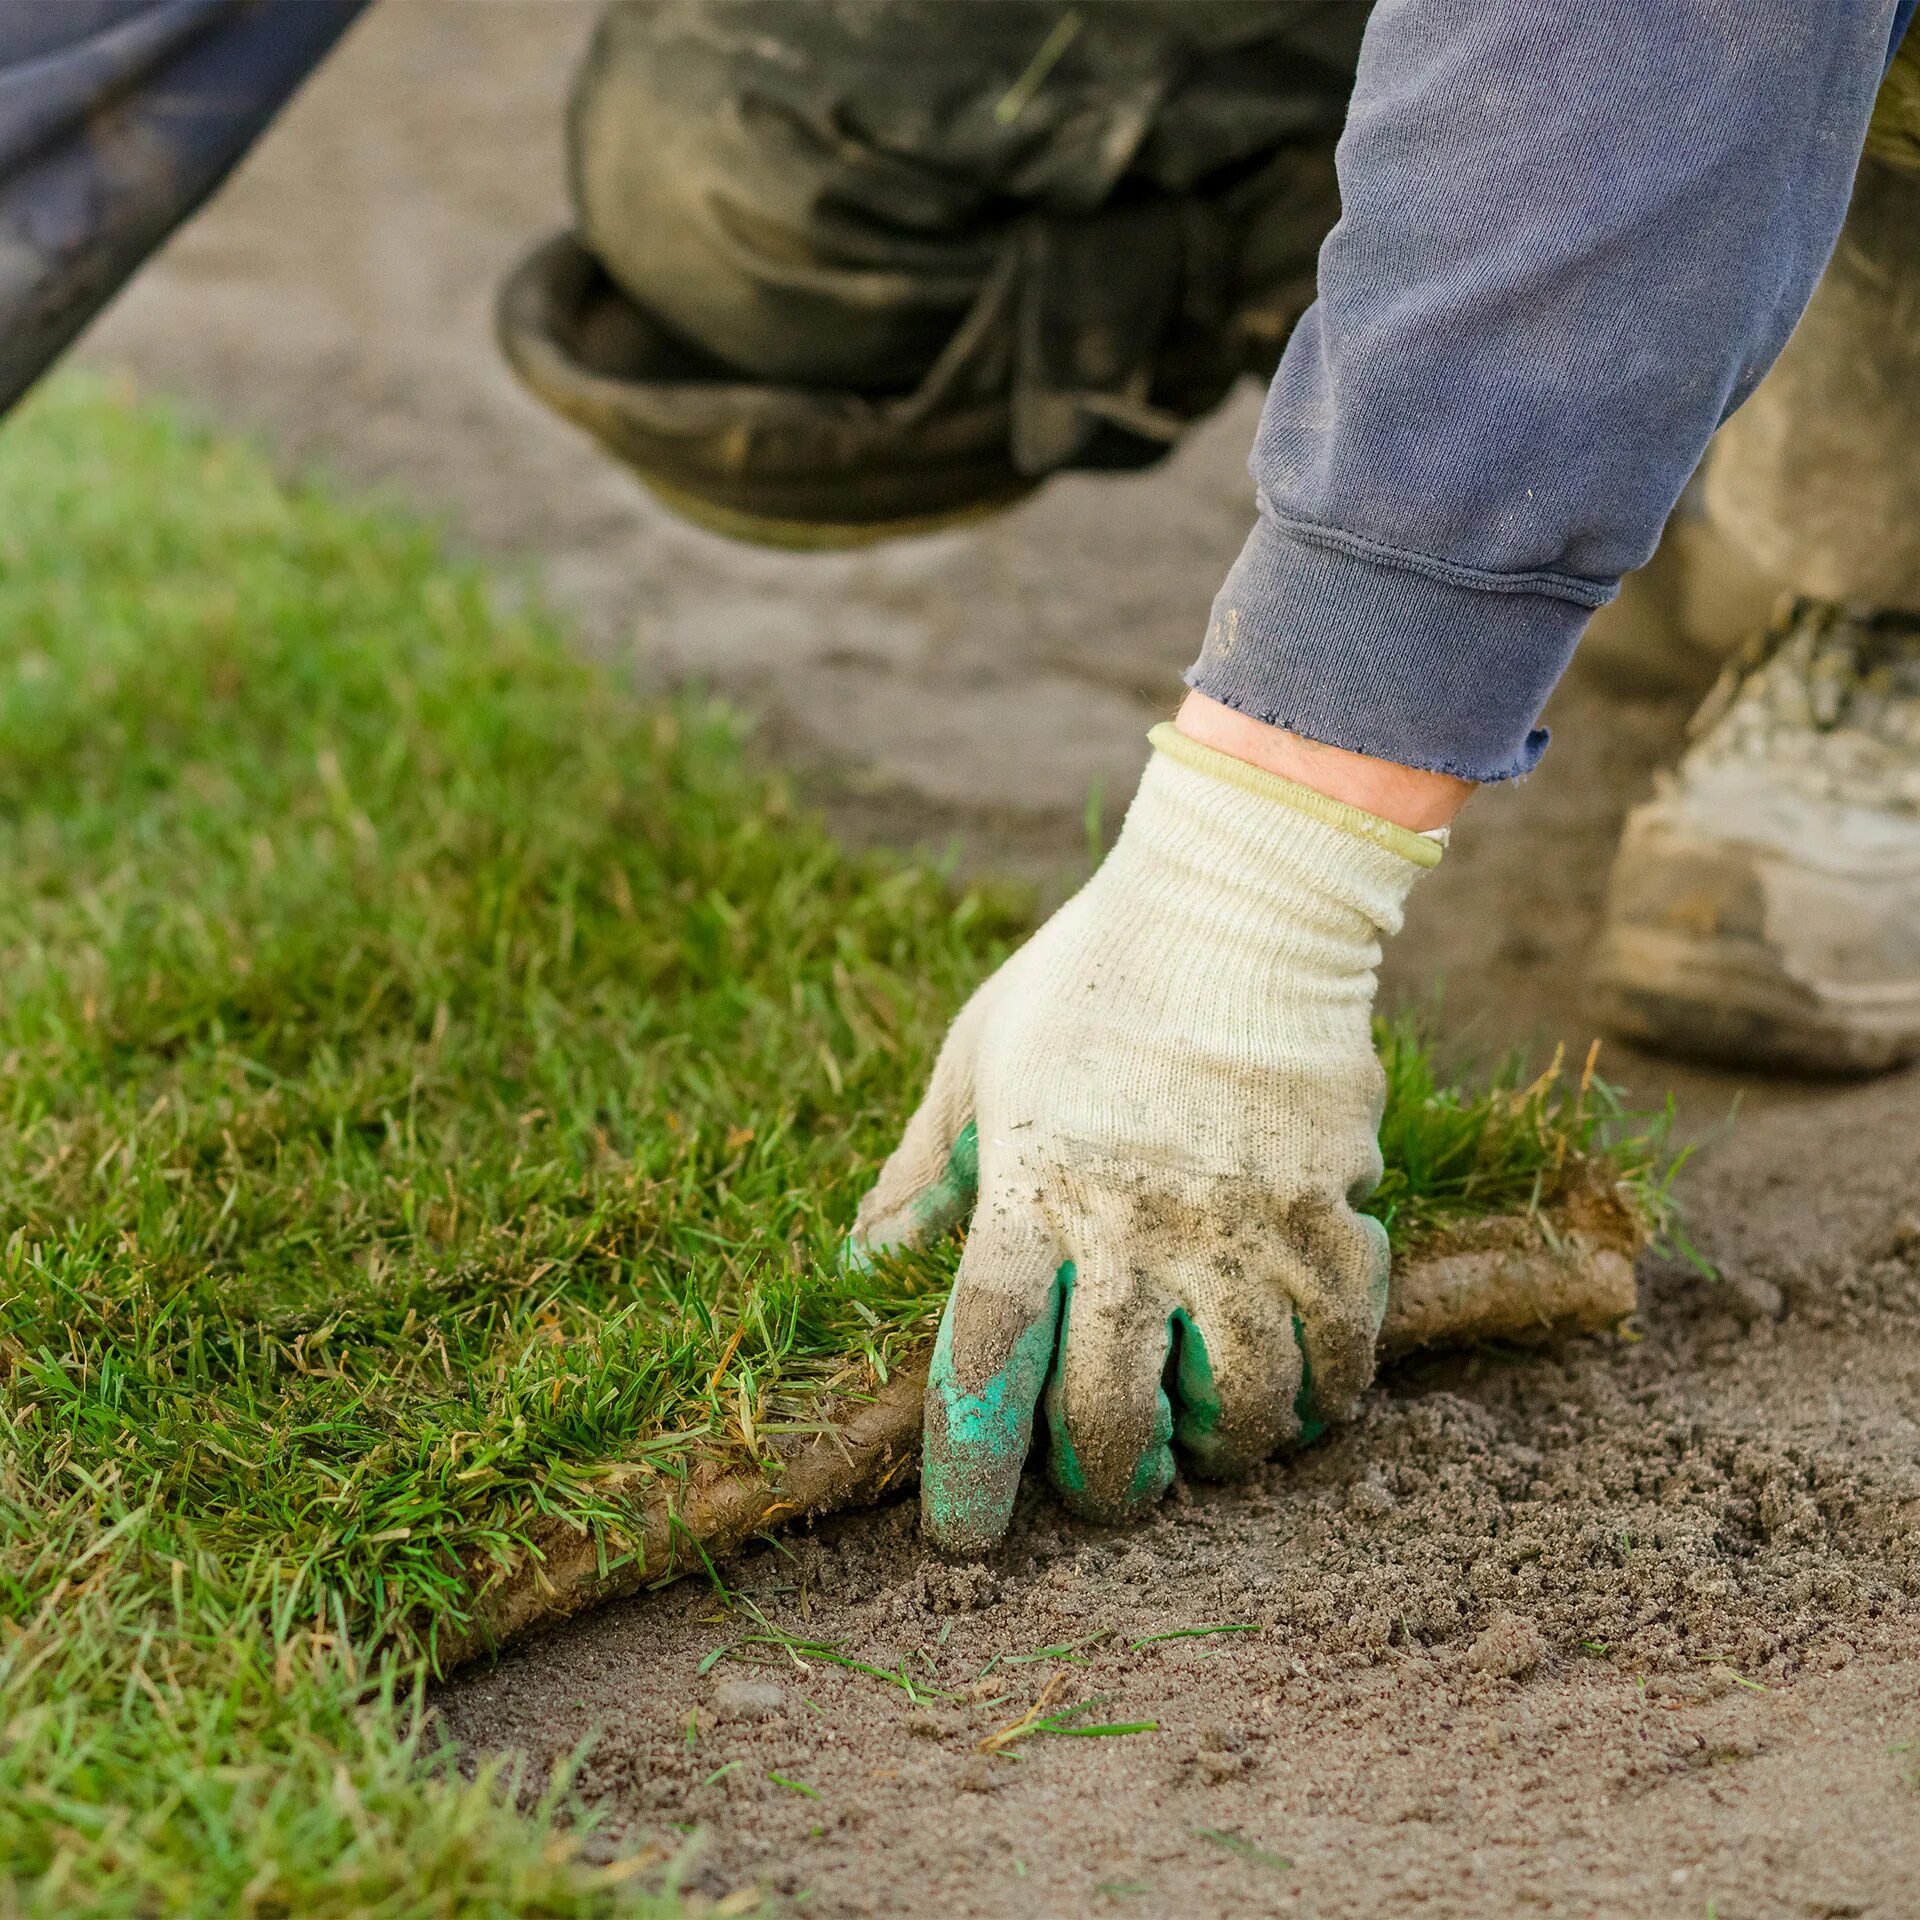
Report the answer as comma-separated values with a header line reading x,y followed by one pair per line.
x,y
1417,847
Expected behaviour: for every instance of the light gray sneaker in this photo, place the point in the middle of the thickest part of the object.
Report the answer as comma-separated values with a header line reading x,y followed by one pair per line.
x,y
1764,908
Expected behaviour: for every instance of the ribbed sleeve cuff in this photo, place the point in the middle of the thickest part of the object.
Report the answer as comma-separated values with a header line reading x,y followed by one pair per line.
x,y
1390,654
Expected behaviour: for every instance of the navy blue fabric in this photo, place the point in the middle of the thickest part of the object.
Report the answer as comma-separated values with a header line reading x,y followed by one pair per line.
x,y
1573,239
117,118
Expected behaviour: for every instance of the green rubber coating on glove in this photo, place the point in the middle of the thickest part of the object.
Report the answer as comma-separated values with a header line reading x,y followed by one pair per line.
x,y
1200,1393
1151,1477
940,1208
1152,1473
1199,1424
1380,1286
935,1210
978,1444
1063,1464
1310,1428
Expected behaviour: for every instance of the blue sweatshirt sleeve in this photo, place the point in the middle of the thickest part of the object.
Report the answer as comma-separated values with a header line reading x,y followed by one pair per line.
x,y
1573,239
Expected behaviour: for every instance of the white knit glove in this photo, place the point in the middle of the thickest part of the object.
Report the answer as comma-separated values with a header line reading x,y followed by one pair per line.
x,y
1174,1104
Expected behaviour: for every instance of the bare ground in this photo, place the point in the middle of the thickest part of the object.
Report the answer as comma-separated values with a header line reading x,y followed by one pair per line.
x,y
1626,1630
1632,1628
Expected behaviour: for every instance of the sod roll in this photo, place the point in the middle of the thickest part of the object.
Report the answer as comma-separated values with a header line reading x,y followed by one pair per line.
x,y
1511,1278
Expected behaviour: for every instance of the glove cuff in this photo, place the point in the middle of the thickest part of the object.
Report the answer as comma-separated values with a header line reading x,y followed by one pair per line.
x,y
1419,848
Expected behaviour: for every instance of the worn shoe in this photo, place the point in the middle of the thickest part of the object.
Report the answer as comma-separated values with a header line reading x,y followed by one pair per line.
x,y
1764,908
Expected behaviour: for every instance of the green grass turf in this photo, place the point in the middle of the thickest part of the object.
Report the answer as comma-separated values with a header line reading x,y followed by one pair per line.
x,y
427,1075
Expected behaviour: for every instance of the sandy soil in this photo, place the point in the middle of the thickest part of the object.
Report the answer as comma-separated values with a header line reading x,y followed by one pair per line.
x,y
1633,1628
1626,1630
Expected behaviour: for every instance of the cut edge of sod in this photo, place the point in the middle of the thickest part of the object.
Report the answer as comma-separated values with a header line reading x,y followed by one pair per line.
x,y
1519,1279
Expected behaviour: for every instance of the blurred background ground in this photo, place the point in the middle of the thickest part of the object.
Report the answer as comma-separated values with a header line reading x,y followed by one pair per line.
x,y
973,689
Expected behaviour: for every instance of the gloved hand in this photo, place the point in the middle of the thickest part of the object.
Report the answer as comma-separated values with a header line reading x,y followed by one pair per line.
x,y
1160,1113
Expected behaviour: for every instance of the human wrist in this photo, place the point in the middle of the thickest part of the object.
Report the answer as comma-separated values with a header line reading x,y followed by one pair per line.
x,y
1260,833
1410,797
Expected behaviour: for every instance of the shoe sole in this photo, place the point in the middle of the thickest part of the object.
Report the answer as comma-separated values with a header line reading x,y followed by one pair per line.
x,y
1726,1002
1686,966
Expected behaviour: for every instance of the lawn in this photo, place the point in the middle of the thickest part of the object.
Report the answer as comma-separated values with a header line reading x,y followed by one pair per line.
x,y
428,1076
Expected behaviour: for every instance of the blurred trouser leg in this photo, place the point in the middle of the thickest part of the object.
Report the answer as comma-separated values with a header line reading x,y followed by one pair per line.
x,y
1816,480
117,119
1811,487
1765,905
844,269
